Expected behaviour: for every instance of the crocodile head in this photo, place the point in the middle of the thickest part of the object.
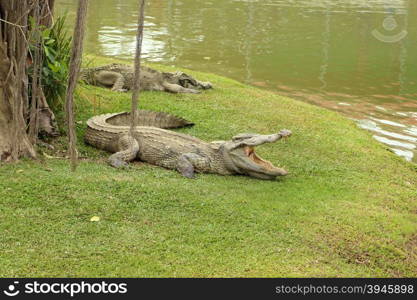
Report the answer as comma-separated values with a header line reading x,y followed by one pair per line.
x,y
240,156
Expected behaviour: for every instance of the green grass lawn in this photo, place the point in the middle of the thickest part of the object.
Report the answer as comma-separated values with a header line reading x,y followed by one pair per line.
x,y
348,208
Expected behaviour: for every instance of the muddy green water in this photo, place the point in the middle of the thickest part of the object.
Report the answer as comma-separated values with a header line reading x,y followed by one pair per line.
x,y
358,57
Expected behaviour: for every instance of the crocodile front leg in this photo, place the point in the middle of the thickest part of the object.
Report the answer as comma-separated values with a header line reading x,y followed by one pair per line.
x,y
189,163
176,88
128,150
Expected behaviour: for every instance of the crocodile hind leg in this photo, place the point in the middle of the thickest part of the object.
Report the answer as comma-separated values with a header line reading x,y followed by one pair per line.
x,y
189,162
119,84
128,150
176,88
111,78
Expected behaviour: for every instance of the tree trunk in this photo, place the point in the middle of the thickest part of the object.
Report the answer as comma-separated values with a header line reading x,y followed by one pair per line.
x,y
136,90
14,101
75,64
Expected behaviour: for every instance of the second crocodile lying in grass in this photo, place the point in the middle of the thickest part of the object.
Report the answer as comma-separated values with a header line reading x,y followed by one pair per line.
x,y
120,78
178,151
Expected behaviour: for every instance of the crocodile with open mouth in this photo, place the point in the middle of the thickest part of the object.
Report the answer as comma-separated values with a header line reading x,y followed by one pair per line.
x,y
184,153
120,78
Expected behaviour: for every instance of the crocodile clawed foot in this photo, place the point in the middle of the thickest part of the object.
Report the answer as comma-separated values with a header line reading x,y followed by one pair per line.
x,y
118,164
189,175
193,91
120,90
187,171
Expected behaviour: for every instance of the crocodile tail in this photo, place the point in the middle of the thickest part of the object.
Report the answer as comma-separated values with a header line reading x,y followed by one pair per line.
x,y
162,120
153,119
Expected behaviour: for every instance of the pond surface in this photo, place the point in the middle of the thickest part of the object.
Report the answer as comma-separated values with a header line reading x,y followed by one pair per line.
x,y
358,57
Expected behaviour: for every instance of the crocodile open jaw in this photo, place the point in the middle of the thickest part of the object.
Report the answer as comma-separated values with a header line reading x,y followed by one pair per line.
x,y
251,154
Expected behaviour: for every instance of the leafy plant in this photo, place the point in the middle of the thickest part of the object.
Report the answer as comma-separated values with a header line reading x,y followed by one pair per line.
x,y
55,45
